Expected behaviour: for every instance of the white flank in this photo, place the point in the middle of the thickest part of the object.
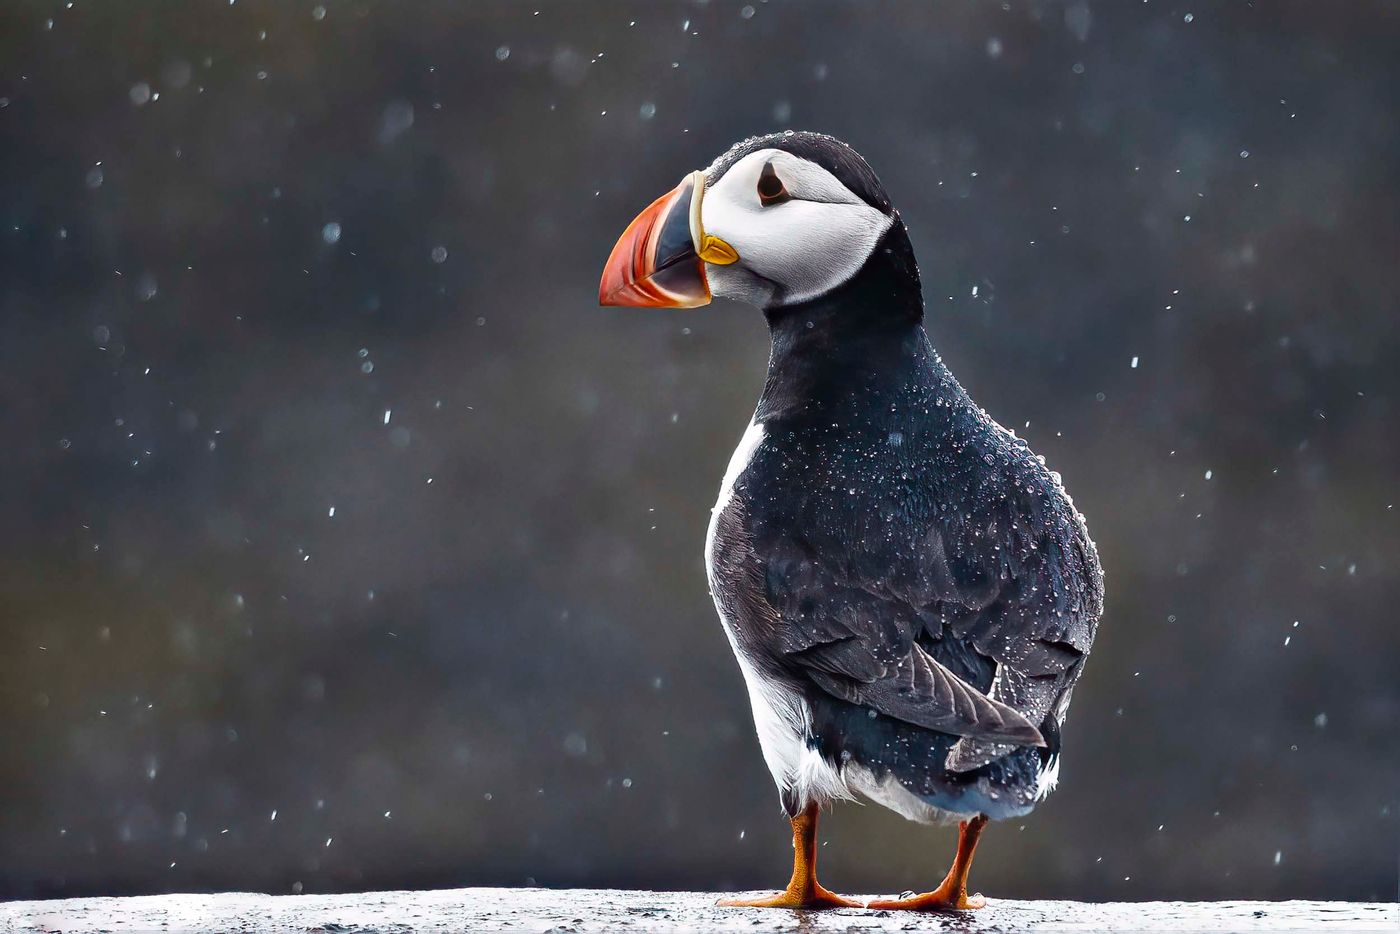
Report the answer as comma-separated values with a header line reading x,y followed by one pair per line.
x,y
781,717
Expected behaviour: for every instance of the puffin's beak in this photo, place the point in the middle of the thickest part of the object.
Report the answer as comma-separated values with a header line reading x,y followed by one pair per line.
x,y
659,262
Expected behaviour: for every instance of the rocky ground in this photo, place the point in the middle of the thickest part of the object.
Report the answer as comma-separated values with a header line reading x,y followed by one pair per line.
x,y
590,910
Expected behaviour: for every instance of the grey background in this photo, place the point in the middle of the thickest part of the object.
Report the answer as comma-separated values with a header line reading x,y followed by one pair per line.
x,y
513,672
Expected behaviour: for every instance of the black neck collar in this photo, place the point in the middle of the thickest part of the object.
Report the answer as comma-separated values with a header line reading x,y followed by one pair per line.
x,y
884,293
862,339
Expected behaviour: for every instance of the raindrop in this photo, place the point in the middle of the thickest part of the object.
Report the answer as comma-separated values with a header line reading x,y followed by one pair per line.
x,y
439,254
502,53
140,93
647,110
146,287
331,232
396,119
1079,19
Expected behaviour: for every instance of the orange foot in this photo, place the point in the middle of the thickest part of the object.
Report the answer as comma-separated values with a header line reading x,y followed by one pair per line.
x,y
815,898
940,899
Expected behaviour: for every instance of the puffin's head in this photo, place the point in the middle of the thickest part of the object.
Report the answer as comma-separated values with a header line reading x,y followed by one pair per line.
x,y
776,220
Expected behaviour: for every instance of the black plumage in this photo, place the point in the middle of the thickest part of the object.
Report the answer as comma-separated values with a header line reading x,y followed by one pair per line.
x,y
894,558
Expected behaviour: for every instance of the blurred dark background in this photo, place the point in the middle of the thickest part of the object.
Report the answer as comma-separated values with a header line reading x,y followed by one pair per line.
x,y
348,544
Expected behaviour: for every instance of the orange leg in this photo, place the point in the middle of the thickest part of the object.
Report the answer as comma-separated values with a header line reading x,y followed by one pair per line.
x,y
951,894
804,891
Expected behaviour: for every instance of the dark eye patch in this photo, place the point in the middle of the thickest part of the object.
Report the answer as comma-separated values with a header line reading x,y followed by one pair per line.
x,y
771,189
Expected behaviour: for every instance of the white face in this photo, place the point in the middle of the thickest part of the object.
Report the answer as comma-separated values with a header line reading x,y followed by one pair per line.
x,y
800,244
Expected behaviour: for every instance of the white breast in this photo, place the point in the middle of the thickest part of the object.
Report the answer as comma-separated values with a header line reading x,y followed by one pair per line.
x,y
738,463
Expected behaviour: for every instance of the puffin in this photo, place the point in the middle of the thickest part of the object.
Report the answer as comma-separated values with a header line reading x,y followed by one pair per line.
x,y
909,591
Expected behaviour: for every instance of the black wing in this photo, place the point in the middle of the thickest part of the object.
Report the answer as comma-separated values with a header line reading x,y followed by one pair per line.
x,y
878,605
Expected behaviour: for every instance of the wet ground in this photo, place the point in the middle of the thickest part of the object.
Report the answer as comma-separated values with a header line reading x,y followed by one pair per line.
x,y
584,910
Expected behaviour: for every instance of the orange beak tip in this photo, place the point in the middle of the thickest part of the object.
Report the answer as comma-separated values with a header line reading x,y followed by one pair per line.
x,y
654,263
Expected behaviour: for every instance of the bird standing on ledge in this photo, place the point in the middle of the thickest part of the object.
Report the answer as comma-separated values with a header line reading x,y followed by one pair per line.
x,y
910,593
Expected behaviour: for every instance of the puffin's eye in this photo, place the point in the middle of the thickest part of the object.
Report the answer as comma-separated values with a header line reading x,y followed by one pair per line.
x,y
770,187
